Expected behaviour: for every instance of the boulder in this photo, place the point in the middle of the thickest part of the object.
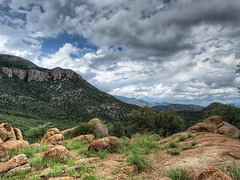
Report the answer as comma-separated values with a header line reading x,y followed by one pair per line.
x,y
52,135
86,137
14,162
44,173
3,152
66,130
59,152
35,145
229,130
215,120
210,173
15,144
95,121
102,129
202,127
110,142
8,132
18,134
23,168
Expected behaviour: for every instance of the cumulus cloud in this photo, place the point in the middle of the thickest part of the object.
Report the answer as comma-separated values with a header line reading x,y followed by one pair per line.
x,y
160,49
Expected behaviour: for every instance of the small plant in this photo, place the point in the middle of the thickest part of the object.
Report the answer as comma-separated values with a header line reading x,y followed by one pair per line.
x,y
232,170
190,135
182,138
178,174
101,153
56,171
138,159
77,145
71,172
194,143
173,144
173,152
115,171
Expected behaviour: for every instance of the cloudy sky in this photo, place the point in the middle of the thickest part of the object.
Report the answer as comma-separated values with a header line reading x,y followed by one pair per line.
x,y
179,51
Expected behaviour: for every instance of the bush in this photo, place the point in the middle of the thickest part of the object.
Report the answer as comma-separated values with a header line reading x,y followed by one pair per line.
x,y
173,144
35,134
81,129
182,138
137,158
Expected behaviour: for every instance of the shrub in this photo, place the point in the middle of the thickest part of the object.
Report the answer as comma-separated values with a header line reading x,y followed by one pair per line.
x,y
173,144
173,152
178,174
81,129
137,158
190,135
35,134
182,138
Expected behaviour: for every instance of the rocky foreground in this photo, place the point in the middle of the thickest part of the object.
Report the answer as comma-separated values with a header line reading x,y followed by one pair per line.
x,y
207,150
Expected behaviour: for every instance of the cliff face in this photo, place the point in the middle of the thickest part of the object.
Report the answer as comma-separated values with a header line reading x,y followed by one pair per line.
x,y
33,74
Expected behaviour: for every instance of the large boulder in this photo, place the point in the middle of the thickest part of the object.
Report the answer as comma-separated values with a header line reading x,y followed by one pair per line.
x,y
15,144
210,173
23,168
14,162
216,124
59,152
52,135
110,142
3,152
7,132
18,134
86,137
95,121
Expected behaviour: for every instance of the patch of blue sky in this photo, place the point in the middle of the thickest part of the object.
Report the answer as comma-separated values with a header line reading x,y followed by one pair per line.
x,y
53,44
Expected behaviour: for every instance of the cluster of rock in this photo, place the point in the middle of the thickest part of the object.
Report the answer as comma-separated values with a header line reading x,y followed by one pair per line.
x,y
216,124
10,138
34,74
101,129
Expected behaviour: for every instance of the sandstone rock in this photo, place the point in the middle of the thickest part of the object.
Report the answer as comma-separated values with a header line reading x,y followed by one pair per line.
x,y
35,145
36,75
60,143
156,137
14,162
202,127
229,130
86,137
17,170
6,128
105,143
18,134
50,146
215,119
50,133
102,129
3,135
7,71
3,152
20,73
59,73
44,173
66,130
59,152
131,169
54,138
125,138
95,121
1,141
210,173
15,144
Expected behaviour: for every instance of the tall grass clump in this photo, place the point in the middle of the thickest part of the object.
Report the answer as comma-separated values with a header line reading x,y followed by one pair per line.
x,y
179,174
173,144
232,170
137,158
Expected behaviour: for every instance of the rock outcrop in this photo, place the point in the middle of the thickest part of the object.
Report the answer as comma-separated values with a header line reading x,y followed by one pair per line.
x,y
95,121
52,135
59,152
86,137
110,142
216,124
210,173
15,165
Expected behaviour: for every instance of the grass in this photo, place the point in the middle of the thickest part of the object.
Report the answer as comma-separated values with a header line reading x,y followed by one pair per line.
x,y
182,138
77,145
57,170
232,170
101,153
29,152
190,135
178,174
173,152
137,158
173,144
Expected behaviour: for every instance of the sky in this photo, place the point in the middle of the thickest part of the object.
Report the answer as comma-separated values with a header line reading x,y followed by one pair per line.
x,y
177,51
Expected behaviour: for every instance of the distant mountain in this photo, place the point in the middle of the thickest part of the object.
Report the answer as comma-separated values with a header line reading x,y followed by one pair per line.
x,y
178,107
31,95
138,102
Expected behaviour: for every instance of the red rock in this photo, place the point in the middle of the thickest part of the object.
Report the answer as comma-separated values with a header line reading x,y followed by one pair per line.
x,y
6,128
14,162
44,173
229,130
18,134
105,143
95,121
215,119
202,127
15,144
17,170
125,138
60,143
48,136
1,141
3,152
86,137
59,152
210,173
66,130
